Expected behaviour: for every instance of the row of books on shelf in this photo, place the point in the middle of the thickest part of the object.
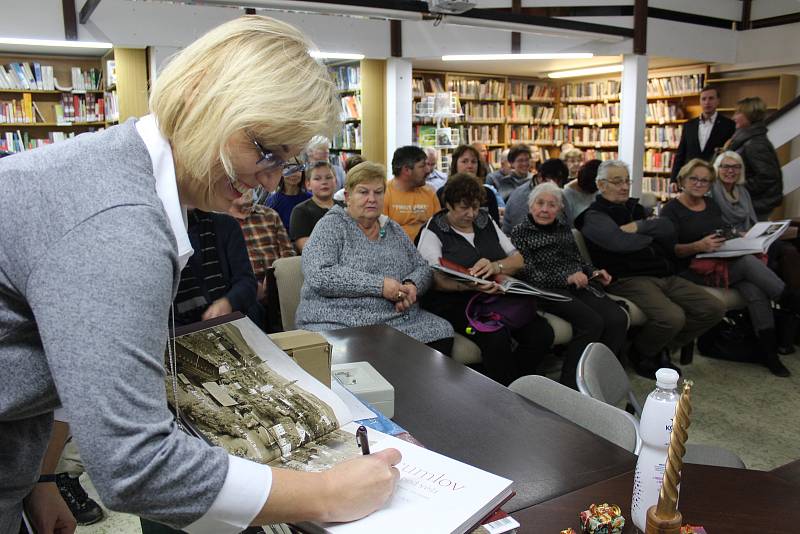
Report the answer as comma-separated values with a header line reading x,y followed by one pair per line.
x,y
112,106
488,135
20,141
675,85
591,136
346,77
79,108
521,90
351,107
600,112
590,90
349,138
663,111
495,89
530,112
662,136
658,161
27,76
491,111
656,185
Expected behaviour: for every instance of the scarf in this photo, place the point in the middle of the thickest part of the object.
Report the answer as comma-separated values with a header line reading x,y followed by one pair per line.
x,y
737,209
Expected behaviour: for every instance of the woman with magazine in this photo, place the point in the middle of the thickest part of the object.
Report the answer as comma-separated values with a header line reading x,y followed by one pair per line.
x,y
466,236
553,261
700,228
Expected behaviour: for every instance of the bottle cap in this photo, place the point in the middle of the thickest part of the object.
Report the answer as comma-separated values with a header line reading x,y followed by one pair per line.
x,y
667,378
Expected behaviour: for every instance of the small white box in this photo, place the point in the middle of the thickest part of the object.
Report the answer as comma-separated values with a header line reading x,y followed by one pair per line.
x,y
364,381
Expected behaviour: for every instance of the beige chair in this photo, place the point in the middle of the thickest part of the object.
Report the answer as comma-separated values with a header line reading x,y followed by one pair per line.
x,y
289,277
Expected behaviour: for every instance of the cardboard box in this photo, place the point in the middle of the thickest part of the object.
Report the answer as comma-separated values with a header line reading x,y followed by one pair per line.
x,y
309,349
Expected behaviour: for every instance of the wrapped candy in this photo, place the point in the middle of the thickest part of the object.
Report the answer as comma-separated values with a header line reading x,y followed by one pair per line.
x,y
692,529
602,519
568,531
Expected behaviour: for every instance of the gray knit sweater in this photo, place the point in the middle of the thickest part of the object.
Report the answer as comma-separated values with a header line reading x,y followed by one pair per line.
x,y
88,268
344,274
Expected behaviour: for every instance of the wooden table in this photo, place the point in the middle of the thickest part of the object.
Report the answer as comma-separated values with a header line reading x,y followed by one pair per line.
x,y
721,499
458,412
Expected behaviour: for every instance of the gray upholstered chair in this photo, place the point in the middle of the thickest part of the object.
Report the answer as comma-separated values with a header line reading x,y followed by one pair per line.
x,y
600,376
289,278
608,422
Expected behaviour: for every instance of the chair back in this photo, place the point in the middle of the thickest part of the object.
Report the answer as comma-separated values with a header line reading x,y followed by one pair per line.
x,y
581,245
604,420
601,376
289,279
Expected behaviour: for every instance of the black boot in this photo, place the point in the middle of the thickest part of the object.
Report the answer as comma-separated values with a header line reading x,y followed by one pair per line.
x,y
647,365
769,348
785,330
84,508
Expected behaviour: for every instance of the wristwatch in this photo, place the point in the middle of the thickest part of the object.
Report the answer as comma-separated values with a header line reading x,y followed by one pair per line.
x,y
500,267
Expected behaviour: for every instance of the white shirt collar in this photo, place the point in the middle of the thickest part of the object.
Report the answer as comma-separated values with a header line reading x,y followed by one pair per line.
x,y
166,184
710,120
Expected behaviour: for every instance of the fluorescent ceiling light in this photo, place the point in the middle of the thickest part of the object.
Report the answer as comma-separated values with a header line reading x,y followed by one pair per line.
x,y
497,57
49,42
334,55
605,69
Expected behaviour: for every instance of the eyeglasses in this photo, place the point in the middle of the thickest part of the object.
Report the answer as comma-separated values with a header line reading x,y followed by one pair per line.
x,y
699,181
269,162
619,181
734,167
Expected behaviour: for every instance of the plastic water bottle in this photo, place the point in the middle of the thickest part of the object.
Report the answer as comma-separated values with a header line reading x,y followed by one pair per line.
x,y
655,429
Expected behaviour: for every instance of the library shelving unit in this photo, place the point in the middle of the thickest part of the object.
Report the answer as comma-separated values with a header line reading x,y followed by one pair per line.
x,y
361,87
48,98
125,75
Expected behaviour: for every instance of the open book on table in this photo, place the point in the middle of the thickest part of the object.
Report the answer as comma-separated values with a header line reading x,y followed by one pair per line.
x,y
756,241
508,284
238,390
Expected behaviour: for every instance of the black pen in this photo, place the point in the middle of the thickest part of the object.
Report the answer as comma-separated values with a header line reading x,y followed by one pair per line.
x,y
362,440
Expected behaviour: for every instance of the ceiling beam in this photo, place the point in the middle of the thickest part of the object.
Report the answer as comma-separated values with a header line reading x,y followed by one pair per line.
x,y
640,27
746,22
70,20
396,37
86,11
516,37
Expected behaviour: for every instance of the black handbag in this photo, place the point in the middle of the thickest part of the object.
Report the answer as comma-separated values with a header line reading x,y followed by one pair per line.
x,y
731,339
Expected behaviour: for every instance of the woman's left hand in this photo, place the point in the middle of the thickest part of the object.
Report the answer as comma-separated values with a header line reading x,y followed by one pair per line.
x,y
602,276
484,268
219,307
409,299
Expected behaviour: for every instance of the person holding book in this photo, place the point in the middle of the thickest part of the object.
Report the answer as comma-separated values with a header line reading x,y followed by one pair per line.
x,y
764,175
466,159
637,251
553,261
697,220
321,182
87,282
360,268
464,234
291,192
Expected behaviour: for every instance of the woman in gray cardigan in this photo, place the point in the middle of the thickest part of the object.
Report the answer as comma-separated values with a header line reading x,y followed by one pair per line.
x,y
360,268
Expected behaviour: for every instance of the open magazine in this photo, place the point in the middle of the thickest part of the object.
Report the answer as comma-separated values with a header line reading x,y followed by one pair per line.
x,y
756,241
239,391
508,284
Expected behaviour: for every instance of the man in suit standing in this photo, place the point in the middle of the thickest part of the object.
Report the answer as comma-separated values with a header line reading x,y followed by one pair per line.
x,y
704,134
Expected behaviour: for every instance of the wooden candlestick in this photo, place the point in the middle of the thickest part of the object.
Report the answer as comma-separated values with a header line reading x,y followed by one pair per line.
x,y
664,518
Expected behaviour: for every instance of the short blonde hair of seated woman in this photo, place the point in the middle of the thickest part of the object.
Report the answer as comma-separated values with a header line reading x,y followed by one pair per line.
x,y
734,156
687,169
251,75
366,172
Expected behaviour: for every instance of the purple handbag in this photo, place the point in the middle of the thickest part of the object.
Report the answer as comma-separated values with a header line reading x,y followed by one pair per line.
x,y
490,313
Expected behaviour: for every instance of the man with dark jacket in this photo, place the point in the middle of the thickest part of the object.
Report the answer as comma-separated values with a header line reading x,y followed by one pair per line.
x,y
704,134
636,251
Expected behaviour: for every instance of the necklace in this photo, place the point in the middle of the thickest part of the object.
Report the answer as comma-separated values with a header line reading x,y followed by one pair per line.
x,y
173,368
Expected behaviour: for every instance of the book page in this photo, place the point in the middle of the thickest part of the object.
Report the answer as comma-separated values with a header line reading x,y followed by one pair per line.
x,y
434,494
238,390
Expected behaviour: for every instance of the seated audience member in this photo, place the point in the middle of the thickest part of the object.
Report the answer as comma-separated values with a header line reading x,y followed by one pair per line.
x,y
764,175
553,170
463,233
580,192
734,201
318,149
503,170
218,278
566,147
696,221
466,159
519,157
291,191
573,159
483,154
352,161
435,178
553,261
409,201
321,183
637,253
360,268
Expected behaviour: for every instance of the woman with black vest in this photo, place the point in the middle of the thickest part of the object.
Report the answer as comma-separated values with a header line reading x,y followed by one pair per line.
x,y
464,234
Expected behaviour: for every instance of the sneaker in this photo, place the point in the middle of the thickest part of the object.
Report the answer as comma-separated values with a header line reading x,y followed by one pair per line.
x,y
85,509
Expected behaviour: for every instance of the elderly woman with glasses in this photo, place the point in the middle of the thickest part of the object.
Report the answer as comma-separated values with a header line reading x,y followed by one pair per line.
x,y
360,268
697,221
93,242
553,261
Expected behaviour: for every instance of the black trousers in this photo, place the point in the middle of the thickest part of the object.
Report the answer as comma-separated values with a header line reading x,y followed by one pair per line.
x,y
593,319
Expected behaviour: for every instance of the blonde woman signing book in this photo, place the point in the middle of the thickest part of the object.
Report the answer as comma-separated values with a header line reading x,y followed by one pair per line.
x,y
85,292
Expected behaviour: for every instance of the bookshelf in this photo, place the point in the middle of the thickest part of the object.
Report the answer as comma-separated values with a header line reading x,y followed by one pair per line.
x,y
52,98
126,87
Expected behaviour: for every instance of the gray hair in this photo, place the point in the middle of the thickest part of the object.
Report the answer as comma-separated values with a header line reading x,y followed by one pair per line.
x,y
317,142
602,170
546,188
430,151
504,154
732,155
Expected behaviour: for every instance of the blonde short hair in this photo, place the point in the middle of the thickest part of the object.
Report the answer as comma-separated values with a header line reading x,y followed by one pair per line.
x,y
730,154
252,75
572,153
366,172
753,108
687,169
